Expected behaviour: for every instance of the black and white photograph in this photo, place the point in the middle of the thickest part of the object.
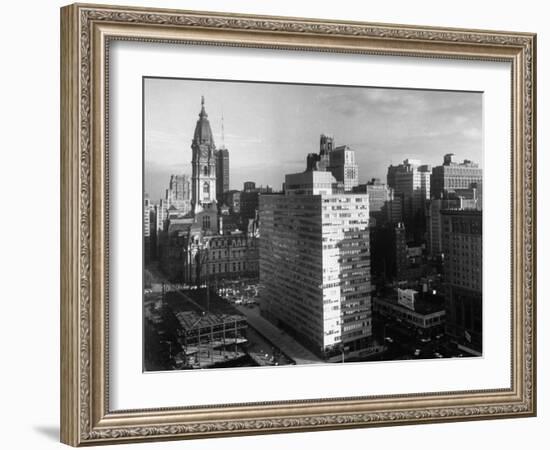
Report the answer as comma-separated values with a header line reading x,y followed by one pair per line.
x,y
292,224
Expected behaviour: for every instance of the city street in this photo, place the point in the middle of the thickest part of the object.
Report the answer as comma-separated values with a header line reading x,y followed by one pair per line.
x,y
403,342
287,344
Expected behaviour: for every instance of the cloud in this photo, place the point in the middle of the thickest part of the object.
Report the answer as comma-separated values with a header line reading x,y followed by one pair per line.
x,y
270,128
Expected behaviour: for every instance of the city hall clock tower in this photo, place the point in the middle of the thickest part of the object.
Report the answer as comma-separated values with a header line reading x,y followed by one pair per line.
x,y
203,179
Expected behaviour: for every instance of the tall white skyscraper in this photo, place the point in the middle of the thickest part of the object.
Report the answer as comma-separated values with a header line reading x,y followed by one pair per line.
x,y
315,263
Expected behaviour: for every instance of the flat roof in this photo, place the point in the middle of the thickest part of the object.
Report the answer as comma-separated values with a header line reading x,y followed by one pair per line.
x,y
430,304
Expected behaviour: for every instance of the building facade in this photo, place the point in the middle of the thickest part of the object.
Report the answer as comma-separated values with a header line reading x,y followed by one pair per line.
x,y
451,176
462,268
459,199
231,256
315,263
194,256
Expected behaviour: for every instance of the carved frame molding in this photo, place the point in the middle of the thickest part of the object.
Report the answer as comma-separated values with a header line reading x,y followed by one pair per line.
x,y
86,31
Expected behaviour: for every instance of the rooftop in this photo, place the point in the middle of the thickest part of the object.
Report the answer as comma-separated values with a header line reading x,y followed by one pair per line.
x,y
423,304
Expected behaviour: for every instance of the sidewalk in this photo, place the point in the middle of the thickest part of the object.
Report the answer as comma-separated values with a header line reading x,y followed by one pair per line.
x,y
279,338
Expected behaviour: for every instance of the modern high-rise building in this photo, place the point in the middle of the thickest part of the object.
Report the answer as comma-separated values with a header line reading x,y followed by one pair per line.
x,y
203,178
451,176
315,263
461,239
222,173
411,181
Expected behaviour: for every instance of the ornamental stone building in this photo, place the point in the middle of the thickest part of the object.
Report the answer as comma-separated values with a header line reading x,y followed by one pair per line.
x,y
196,245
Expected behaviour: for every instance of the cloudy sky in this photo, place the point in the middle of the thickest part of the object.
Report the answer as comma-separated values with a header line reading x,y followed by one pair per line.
x,y
270,128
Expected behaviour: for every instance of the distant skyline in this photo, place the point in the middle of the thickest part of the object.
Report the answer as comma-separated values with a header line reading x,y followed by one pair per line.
x,y
270,128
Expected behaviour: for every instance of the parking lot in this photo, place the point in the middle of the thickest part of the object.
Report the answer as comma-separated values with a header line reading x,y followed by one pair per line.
x,y
243,291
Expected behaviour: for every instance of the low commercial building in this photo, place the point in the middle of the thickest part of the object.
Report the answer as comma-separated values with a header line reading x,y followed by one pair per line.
x,y
425,312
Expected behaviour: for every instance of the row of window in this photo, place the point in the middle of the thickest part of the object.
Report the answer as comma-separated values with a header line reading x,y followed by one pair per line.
x,y
229,267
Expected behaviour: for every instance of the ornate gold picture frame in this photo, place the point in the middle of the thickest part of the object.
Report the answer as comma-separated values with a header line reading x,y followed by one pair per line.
x,y
87,31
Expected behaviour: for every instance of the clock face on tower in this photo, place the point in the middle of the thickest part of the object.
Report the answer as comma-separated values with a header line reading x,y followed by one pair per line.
x,y
204,152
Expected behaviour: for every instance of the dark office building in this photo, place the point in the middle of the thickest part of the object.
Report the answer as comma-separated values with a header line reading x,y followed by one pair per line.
x,y
462,269
222,173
